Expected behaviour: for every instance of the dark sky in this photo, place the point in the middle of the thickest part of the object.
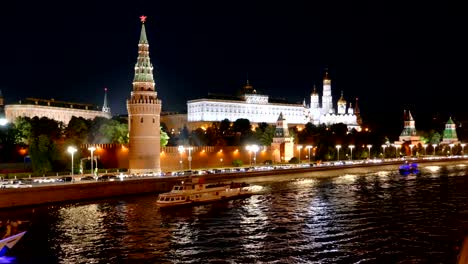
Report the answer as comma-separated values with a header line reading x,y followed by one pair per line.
x,y
391,55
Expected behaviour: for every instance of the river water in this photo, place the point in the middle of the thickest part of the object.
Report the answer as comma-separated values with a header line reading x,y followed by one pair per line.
x,y
375,218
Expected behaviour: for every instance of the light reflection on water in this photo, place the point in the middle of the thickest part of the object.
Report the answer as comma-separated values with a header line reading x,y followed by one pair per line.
x,y
372,218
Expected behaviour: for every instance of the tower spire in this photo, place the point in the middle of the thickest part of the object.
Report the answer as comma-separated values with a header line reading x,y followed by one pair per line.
x,y
144,111
105,106
143,67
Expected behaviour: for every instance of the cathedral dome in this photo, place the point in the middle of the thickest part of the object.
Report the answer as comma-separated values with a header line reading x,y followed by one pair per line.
x,y
314,92
341,101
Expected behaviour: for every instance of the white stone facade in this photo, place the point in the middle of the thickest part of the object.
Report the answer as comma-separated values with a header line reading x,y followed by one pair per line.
x,y
61,114
256,110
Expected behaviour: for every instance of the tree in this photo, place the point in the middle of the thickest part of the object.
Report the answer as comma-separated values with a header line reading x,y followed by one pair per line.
x,y
164,138
224,127
77,130
114,132
199,137
266,136
24,130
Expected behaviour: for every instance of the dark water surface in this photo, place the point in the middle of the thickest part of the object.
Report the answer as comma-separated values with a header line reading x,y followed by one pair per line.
x,y
377,218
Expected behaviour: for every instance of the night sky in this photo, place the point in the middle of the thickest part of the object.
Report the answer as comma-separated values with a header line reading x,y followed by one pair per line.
x,y
391,56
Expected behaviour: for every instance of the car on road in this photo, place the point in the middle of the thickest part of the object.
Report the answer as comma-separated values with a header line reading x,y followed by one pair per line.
x,y
44,180
65,179
87,178
107,177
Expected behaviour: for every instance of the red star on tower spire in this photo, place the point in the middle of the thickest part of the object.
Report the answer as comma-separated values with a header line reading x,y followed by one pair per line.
x,y
143,19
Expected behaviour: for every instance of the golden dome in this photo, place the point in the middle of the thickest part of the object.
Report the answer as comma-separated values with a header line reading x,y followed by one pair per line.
x,y
341,101
314,92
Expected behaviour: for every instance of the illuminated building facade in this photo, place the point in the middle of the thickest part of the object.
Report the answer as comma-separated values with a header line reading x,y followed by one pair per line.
x,y
259,108
144,109
60,111
326,114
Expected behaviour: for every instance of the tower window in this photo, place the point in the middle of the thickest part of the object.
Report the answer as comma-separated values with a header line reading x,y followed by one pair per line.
x,y
153,120
141,120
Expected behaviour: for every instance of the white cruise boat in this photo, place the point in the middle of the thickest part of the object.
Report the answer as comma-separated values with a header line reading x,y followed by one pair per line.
x,y
196,192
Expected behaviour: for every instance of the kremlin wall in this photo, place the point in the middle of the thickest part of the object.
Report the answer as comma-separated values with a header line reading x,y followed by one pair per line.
x,y
116,156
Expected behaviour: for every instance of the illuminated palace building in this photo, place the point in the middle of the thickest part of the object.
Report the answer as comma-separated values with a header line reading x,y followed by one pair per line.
x,y
259,108
57,110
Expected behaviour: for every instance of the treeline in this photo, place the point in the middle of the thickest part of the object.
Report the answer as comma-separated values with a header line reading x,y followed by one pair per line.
x,y
47,139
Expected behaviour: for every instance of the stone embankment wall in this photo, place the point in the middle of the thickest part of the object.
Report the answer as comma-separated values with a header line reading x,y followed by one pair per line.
x,y
69,192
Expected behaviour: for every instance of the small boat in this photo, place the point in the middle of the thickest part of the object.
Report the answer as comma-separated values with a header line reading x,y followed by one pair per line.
x,y
195,191
8,243
408,168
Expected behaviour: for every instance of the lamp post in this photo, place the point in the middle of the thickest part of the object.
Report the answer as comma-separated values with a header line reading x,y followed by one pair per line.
x,y
383,147
299,147
190,157
369,146
255,148
434,147
71,150
397,147
92,149
351,148
451,146
181,150
463,148
308,147
411,148
338,152
249,148
425,146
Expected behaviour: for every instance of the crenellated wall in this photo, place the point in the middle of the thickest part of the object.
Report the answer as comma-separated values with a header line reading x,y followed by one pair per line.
x,y
116,156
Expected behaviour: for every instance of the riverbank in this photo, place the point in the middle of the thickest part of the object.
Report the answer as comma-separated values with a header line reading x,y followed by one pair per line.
x,y
79,191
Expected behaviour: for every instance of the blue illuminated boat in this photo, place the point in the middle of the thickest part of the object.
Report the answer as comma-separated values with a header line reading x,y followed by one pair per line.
x,y
9,242
408,168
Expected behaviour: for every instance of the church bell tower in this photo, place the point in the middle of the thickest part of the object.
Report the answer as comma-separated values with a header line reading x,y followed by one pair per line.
x,y
144,109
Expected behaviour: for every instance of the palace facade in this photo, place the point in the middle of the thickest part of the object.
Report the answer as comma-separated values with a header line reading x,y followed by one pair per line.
x,y
259,108
60,111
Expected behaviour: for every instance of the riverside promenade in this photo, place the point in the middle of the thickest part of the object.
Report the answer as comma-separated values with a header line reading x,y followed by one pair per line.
x,y
82,191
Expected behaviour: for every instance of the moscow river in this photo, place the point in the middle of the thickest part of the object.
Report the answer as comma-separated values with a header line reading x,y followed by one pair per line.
x,y
375,218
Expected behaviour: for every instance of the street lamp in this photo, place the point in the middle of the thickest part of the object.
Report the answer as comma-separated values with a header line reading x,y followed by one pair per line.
x,y
463,148
308,147
71,150
434,146
397,146
299,147
338,152
411,148
92,149
384,146
369,146
254,148
249,148
190,157
451,146
351,148
181,150
425,146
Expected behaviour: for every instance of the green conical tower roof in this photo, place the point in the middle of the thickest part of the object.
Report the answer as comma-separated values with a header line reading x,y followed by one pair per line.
x,y
450,121
450,132
143,67
143,39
